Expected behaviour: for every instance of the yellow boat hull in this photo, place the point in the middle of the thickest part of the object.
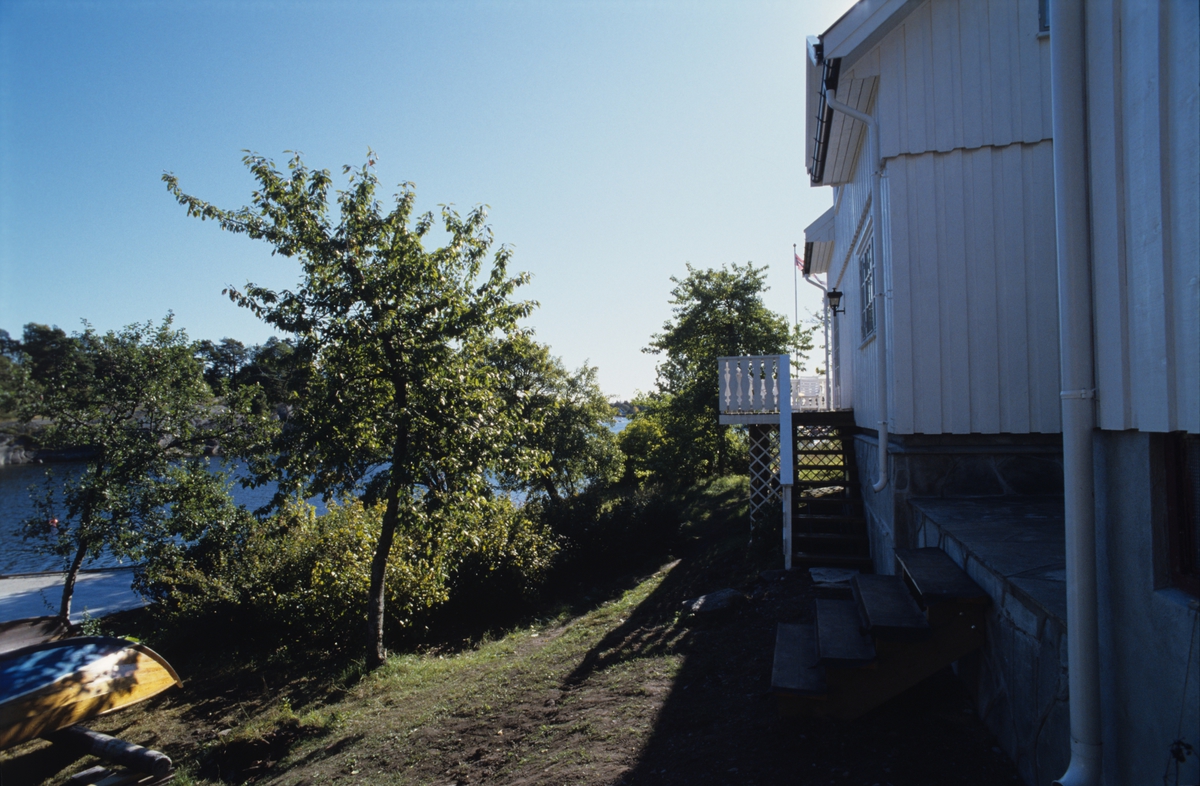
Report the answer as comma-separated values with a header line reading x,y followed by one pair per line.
x,y
116,679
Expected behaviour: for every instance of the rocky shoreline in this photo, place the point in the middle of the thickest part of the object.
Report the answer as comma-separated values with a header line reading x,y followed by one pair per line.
x,y
20,449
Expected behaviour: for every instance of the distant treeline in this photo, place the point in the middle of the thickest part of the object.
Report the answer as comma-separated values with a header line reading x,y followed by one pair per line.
x,y
43,350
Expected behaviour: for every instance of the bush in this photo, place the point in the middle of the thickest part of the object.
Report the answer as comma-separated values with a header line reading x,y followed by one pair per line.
x,y
610,530
304,578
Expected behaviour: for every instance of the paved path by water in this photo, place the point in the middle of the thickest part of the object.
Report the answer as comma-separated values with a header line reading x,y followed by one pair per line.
x,y
97,593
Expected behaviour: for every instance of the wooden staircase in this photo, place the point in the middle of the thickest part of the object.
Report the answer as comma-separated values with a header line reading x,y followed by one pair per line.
x,y
894,632
828,527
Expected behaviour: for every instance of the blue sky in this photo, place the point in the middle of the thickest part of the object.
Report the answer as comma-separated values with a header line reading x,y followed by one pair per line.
x,y
613,141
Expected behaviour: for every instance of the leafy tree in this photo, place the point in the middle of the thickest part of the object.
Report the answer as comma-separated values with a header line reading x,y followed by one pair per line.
x,y
568,419
46,350
221,361
402,406
136,401
13,376
276,368
717,312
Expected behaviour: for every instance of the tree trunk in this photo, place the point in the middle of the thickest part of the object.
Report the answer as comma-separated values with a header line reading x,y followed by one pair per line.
x,y
376,653
64,612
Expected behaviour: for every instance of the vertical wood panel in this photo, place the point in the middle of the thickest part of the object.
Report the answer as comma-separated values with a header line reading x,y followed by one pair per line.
x,y
983,325
947,75
1108,248
1013,269
973,38
916,45
1001,17
890,97
1151,391
964,75
1182,165
1042,288
901,305
927,338
974,309
1030,71
952,266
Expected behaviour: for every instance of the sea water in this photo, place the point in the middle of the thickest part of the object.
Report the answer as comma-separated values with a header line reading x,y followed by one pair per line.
x,y
19,483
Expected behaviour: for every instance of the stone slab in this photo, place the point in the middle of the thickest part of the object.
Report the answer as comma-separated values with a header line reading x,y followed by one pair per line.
x,y
1020,542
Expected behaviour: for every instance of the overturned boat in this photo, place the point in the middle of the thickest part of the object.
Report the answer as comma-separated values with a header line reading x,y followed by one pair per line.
x,y
49,686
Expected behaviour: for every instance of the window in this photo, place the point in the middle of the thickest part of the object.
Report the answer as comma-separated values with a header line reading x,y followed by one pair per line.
x,y
1183,510
1043,16
866,283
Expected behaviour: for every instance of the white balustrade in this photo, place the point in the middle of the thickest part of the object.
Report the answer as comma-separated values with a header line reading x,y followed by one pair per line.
x,y
750,385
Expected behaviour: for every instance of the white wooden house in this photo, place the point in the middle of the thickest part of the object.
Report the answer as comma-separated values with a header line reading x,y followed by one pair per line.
x,y
1028,264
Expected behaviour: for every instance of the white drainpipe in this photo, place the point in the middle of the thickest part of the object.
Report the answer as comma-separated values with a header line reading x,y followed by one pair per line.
x,y
825,322
880,317
1072,232
784,377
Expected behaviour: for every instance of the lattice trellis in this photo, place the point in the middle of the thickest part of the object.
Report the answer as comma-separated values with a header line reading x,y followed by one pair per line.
x,y
765,491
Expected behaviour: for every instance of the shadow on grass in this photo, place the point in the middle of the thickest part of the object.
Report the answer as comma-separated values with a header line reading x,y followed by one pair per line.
x,y
718,723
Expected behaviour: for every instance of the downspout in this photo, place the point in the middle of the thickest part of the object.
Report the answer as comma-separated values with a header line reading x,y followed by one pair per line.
x,y
786,475
1072,231
877,238
825,322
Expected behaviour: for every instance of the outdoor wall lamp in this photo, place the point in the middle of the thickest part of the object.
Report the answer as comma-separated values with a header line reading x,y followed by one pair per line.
x,y
835,300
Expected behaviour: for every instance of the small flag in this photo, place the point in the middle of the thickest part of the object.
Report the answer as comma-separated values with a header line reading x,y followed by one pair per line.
x,y
799,261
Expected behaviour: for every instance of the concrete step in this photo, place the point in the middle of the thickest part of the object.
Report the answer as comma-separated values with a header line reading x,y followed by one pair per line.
x,y
796,671
886,607
840,640
936,578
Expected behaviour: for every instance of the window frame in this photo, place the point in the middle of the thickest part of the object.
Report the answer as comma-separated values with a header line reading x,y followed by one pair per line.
x,y
867,270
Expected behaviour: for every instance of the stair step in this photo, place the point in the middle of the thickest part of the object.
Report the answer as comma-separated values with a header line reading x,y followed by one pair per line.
x,y
797,670
814,559
829,537
936,577
840,640
818,518
887,608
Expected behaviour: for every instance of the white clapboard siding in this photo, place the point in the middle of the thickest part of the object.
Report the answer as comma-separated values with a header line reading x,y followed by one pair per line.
x,y
974,326
962,75
1145,181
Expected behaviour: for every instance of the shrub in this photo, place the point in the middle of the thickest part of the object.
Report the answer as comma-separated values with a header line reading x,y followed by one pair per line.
x,y
304,578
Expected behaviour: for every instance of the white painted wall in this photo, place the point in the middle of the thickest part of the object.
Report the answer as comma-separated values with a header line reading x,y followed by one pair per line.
x,y
975,305
968,248
1144,123
964,75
